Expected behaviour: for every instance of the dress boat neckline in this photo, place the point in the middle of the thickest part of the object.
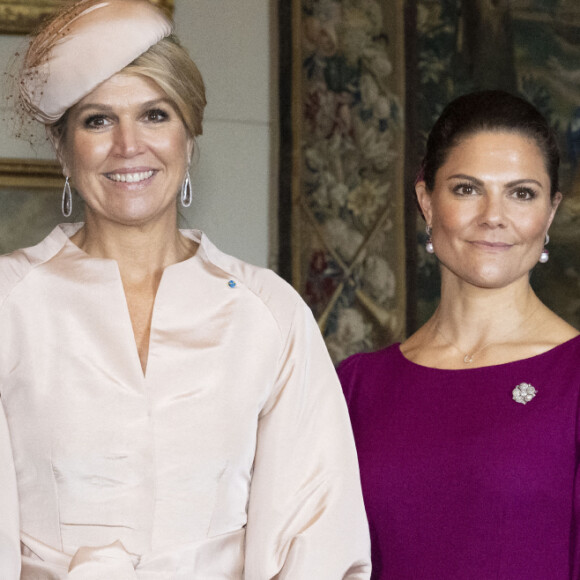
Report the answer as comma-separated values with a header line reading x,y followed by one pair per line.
x,y
535,357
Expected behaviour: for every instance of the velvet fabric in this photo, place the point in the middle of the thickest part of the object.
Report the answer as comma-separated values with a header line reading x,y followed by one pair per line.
x,y
461,481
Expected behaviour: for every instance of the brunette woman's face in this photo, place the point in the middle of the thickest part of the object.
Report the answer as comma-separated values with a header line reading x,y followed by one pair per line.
x,y
126,150
490,208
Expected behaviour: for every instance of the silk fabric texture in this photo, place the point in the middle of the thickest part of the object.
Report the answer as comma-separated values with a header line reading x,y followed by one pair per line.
x,y
232,457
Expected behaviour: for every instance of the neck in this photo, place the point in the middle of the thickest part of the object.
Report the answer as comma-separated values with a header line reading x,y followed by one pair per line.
x,y
470,318
142,251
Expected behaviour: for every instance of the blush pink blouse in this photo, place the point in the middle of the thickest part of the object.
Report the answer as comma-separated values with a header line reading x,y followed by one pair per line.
x,y
232,457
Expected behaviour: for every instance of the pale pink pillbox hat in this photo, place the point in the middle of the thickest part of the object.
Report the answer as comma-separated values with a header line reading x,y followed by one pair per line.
x,y
82,47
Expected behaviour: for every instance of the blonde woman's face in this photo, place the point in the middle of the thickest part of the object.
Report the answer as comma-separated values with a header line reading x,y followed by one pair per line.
x,y
126,151
490,209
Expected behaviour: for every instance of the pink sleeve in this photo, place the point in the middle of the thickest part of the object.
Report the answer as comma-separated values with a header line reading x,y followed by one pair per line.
x,y
9,521
306,514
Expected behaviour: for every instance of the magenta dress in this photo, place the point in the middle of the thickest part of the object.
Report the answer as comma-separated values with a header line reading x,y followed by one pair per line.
x,y
460,480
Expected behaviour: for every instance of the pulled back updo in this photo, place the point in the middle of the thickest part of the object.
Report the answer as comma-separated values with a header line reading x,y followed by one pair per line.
x,y
494,111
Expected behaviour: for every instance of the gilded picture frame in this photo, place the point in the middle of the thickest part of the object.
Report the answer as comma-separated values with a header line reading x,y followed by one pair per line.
x,y
23,16
20,17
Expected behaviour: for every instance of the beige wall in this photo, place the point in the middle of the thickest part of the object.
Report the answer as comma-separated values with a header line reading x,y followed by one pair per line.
x,y
233,43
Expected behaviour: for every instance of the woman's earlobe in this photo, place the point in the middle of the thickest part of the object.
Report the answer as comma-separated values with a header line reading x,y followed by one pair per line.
x,y
57,154
56,142
63,165
60,158
190,148
555,204
424,200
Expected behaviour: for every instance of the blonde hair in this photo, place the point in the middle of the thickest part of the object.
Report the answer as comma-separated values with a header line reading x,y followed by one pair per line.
x,y
170,66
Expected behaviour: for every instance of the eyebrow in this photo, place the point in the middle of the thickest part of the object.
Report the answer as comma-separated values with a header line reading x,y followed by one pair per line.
x,y
109,109
480,183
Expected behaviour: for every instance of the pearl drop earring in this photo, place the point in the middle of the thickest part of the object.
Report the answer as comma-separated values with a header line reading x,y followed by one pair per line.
x,y
545,255
429,243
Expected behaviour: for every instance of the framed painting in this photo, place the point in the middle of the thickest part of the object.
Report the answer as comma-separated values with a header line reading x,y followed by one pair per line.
x,y
19,17
342,200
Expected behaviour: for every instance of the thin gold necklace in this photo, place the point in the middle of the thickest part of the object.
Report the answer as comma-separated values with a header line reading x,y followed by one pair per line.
x,y
468,357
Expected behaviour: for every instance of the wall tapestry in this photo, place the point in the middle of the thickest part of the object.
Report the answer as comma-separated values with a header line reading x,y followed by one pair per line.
x,y
346,230
530,47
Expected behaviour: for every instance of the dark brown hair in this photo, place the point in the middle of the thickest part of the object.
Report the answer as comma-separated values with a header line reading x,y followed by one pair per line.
x,y
489,110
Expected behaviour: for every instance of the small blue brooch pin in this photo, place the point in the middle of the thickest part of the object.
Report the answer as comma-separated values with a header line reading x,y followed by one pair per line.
x,y
231,284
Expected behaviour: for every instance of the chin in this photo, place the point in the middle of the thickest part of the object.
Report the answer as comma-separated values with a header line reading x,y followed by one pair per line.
x,y
138,220
138,214
491,277
495,280
491,284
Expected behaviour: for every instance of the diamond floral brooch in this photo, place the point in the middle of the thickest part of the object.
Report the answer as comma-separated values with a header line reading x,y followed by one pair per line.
x,y
524,393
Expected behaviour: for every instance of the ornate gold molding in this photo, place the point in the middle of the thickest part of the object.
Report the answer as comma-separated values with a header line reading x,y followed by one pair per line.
x,y
23,16
30,174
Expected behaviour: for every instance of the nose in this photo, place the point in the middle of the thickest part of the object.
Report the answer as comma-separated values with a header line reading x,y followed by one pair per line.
x,y
492,212
127,141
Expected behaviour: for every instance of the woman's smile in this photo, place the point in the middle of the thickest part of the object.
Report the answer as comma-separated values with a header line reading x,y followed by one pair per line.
x,y
130,176
491,246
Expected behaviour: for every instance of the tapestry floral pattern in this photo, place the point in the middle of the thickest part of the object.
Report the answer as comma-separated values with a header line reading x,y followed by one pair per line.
x,y
540,60
349,236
